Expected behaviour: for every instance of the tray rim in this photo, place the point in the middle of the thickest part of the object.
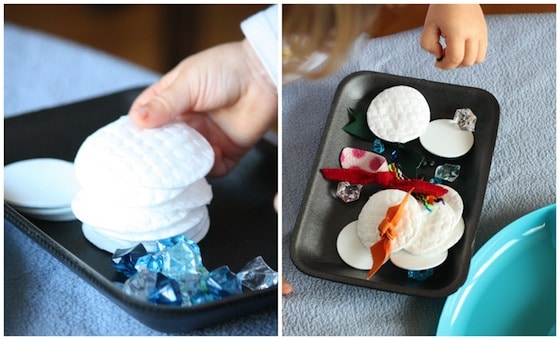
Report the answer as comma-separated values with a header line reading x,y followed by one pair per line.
x,y
459,280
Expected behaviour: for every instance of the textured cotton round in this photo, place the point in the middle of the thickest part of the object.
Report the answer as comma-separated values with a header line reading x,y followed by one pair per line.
x,y
172,156
197,193
375,211
131,219
398,114
438,226
111,244
193,219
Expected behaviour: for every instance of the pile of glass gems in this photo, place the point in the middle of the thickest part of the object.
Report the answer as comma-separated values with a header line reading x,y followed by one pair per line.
x,y
175,274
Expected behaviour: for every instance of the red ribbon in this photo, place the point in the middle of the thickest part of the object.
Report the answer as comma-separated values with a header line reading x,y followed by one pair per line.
x,y
385,179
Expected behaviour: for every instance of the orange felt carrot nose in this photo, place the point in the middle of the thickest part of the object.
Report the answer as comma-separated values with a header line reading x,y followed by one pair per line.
x,y
381,249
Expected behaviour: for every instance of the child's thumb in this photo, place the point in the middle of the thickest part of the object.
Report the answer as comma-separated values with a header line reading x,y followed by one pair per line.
x,y
162,108
430,40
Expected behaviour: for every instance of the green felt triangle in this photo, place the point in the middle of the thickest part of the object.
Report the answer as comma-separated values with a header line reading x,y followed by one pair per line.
x,y
358,126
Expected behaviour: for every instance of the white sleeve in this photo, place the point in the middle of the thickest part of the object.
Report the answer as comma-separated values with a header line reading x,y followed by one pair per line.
x,y
261,30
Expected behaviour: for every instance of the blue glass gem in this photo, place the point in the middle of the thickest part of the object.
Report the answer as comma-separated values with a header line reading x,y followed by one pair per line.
x,y
256,275
223,282
378,146
183,258
140,285
124,260
394,155
448,172
420,275
194,288
150,262
166,291
435,180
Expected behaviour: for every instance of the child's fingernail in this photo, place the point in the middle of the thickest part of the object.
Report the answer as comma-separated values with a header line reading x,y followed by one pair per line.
x,y
141,112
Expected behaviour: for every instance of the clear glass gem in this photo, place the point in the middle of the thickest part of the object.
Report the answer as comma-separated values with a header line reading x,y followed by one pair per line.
x,y
140,285
256,275
466,119
420,275
447,172
124,260
348,192
378,146
166,291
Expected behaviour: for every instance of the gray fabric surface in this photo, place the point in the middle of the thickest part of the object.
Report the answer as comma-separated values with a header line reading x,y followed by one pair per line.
x,y
520,71
41,295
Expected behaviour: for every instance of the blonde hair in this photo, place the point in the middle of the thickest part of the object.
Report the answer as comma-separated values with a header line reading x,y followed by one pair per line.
x,y
327,28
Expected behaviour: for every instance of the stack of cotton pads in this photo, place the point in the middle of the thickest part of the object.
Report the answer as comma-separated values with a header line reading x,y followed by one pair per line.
x,y
142,185
423,237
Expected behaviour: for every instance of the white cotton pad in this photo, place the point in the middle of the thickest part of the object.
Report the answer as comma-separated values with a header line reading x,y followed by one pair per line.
x,y
196,194
49,214
408,261
40,183
398,114
351,250
455,235
375,211
199,231
191,220
111,244
131,219
438,225
172,156
444,138
125,194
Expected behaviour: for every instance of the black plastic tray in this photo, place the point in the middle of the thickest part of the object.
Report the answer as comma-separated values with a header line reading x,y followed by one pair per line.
x,y
322,216
243,221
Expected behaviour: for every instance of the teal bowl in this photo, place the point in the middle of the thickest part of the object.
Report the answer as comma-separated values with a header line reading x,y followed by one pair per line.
x,y
511,285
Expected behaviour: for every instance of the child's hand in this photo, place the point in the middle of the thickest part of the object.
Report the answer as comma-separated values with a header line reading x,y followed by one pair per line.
x,y
223,92
465,32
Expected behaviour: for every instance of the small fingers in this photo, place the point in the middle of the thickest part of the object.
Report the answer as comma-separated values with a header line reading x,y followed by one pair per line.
x,y
464,54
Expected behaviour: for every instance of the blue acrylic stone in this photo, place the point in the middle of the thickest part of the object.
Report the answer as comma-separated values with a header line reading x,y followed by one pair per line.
x,y
171,241
166,291
180,259
223,282
378,146
435,180
150,262
394,155
140,285
256,275
124,260
420,275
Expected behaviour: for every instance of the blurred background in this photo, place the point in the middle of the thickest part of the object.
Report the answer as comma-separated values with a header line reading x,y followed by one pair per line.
x,y
159,36
154,36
